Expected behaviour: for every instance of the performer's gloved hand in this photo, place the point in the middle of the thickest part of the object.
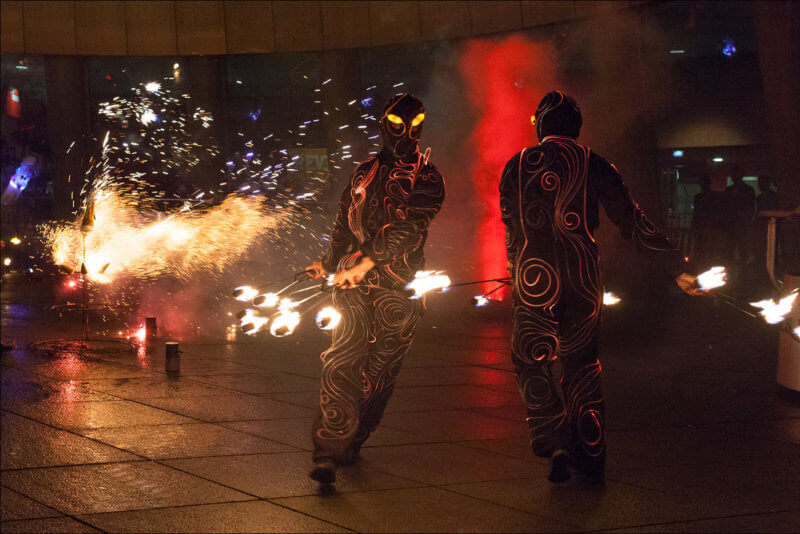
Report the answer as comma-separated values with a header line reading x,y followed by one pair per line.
x,y
316,270
688,283
351,277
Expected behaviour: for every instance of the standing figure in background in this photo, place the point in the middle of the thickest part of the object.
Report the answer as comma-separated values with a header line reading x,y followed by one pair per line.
x,y
708,226
740,205
549,198
376,248
767,199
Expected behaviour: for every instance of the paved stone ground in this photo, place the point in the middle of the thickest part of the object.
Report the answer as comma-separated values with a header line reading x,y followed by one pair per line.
x,y
699,437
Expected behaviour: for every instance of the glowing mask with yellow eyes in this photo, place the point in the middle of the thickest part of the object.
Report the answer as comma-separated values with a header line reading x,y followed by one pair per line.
x,y
401,124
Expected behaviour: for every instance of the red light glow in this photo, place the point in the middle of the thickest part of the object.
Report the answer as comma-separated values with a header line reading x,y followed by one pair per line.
x,y
505,80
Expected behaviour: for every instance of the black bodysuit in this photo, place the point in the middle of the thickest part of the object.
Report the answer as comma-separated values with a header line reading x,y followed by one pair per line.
x,y
549,198
384,214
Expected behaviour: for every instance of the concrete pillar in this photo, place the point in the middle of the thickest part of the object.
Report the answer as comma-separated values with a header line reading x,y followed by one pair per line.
x,y
68,115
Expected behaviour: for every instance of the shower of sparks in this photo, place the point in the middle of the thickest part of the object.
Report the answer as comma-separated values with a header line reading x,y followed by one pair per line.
x,y
425,281
182,244
328,318
140,335
609,298
284,323
244,293
153,87
775,312
713,278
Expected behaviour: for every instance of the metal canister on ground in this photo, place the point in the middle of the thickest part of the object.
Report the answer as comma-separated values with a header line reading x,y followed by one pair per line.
x,y
173,357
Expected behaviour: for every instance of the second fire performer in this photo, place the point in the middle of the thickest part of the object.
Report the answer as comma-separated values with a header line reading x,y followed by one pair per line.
x,y
376,247
549,199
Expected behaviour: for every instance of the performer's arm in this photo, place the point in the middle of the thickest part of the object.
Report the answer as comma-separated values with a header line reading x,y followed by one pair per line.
x,y
405,234
341,237
509,209
632,221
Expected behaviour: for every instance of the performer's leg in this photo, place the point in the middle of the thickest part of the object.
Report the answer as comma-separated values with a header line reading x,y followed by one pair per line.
x,y
534,347
585,410
342,370
396,319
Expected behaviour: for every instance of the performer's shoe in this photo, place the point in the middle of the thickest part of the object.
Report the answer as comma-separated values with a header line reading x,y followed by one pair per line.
x,y
542,450
594,477
559,467
324,472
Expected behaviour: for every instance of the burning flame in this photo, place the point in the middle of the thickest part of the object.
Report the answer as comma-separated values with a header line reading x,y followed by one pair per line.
x,y
328,318
796,332
266,300
244,293
609,299
425,281
712,278
775,312
140,335
284,323
480,300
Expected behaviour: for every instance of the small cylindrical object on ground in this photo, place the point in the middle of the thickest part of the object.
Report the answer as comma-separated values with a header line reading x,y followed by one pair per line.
x,y
150,327
173,361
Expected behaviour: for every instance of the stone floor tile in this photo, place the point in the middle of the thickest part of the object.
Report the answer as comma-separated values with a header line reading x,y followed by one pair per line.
x,y
16,506
591,508
773,522
420,510
400,401
446,463
36,391
274,382
101,414
749,487
116,487
455,425
283,474
443,376
183,441
249,516
230,407
143,389
461,396
26,444
62,525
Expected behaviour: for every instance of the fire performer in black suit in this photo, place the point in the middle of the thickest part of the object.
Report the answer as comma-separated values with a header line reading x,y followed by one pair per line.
x,y
375,249
549,199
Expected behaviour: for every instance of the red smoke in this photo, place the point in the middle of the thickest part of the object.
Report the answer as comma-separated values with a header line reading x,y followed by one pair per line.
x,y
505,80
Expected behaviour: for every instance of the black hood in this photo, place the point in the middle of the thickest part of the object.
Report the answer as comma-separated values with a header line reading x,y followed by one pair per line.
x,y
558,114
401,124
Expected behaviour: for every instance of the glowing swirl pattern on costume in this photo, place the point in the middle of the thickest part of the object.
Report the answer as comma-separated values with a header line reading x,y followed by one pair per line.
x,y
549,200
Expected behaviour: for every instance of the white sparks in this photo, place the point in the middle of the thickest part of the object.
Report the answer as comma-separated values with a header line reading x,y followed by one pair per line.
x,y
153,87
775,312
609,298
712,278
147,117
480,300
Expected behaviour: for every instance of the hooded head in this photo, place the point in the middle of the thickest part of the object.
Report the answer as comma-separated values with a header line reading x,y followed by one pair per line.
x,y
401,124
558,114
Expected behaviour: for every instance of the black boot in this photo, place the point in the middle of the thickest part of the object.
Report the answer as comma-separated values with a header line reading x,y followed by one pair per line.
x,y
324,472
559,467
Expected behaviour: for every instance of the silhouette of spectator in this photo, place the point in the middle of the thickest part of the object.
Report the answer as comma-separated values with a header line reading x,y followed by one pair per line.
x,y
768,199
707,225
740,206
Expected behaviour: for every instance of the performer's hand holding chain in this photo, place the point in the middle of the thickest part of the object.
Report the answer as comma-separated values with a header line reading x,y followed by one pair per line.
x,y
351,277
316,270
688,283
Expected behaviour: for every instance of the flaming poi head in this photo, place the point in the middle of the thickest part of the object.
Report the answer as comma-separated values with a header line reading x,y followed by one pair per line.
x,y
775,312
287,304
244,293
712,278
480,300
266,300
609,298
425,281
251,322
284,323
328,318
